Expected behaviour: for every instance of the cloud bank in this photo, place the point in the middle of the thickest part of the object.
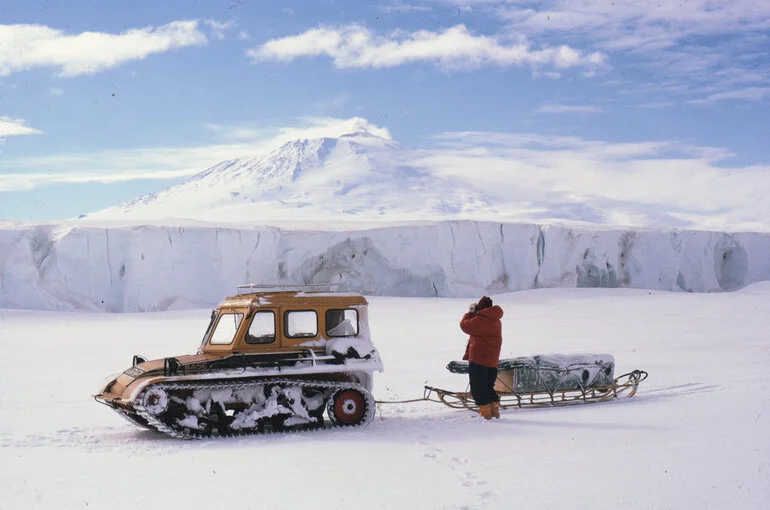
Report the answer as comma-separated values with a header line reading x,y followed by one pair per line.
x,y
706,50
664,175
15,127
355,46
24,47
162,163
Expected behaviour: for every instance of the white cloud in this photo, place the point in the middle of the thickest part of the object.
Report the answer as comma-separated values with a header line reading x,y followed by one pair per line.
x,y
748,94
320,127
455,47
629,25
664,175
559,108
15,127
25,47
219,29
163,163
400,8
55,91
706,43
312,127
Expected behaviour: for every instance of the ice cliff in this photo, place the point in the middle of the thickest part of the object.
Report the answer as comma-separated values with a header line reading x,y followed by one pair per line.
x,y
148,268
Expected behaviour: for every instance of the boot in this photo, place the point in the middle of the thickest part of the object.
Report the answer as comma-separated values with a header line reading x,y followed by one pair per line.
x,y
494,407
486,411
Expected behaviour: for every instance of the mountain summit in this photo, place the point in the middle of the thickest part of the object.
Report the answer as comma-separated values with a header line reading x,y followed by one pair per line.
x,y
359,176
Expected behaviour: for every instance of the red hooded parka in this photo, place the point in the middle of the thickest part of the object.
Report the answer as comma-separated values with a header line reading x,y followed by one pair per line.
x,y
485,330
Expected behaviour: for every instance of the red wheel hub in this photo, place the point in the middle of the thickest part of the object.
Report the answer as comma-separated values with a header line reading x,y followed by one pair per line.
x,y
349,407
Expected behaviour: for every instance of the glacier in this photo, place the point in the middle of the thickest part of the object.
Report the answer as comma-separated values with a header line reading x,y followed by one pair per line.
x,y
141,268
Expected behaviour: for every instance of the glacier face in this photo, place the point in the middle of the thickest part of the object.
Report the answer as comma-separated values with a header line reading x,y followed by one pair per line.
x,y
153,268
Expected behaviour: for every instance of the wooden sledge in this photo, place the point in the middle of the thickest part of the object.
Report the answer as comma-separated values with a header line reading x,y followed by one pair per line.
x,y
547,381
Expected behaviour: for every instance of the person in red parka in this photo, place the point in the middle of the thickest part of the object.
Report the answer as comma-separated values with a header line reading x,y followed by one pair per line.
x,y
482,323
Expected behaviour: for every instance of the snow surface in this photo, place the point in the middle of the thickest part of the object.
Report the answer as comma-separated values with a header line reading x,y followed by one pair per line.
x,y
694,437
156,268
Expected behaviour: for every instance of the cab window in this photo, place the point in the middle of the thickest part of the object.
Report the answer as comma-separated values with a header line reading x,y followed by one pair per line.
x,y
301,324
262,328
208,329
341,322
226,327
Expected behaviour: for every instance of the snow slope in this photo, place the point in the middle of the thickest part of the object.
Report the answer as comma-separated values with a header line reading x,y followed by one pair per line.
x,y
153,268
354,177
367,178
694,437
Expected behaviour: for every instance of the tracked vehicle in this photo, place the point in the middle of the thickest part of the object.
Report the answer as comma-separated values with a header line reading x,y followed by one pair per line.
x,y
272,359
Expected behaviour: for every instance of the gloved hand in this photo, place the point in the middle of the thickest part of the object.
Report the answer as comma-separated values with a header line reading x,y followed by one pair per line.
x,y
473,308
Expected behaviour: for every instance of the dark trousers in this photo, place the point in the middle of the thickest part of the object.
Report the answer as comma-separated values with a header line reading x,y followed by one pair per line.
x,y
482,384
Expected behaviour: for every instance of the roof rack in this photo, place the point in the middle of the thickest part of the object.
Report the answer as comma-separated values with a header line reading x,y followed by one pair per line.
x,y
306,287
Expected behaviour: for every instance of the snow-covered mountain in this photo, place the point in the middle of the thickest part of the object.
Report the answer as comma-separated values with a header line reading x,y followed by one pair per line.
x,y
359,176
361,180
364,211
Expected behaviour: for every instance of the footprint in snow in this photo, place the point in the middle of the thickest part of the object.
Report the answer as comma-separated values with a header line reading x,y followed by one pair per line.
x,y
462,467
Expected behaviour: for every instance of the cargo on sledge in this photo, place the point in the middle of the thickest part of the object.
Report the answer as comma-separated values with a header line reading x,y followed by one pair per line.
x,y
546,381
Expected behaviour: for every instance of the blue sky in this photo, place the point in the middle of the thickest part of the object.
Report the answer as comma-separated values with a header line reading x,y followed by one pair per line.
x,y
103,101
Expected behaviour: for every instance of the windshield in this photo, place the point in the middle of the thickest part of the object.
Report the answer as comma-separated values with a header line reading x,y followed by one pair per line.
x,y
208,330
226,327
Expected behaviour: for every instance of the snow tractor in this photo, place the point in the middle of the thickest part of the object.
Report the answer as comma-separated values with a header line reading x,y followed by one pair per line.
x,y
546,381
272,359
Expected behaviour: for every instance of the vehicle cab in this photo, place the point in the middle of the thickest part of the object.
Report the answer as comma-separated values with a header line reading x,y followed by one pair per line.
x,y
278,320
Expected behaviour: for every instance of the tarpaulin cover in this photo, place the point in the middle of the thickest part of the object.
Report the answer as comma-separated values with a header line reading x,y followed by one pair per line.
x,y
553,372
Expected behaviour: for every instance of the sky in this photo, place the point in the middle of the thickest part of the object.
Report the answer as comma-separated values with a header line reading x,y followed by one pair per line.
x,y
101,102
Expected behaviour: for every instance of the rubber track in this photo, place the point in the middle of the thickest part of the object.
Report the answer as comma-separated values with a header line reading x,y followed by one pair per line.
x,y
160,426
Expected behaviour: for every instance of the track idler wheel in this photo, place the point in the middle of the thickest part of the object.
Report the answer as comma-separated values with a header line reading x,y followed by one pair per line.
x,y
155,401
348,407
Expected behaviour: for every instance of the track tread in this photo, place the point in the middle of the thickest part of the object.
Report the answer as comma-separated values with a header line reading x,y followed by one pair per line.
x,y
331,388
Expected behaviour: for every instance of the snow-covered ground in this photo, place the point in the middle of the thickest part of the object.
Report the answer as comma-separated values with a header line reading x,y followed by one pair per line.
x,y
694,437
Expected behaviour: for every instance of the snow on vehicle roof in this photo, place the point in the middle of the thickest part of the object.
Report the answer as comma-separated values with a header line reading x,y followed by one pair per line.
x,y
278,287
257,299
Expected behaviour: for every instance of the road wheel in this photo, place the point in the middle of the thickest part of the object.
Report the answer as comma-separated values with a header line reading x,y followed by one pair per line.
x,y
348,407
